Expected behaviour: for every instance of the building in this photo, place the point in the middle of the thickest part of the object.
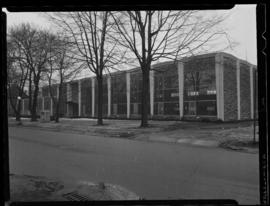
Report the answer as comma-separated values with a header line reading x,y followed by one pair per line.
x,y
13,92
216,86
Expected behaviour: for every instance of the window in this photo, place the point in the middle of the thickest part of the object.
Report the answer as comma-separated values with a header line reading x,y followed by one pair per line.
x,y
200,90
86,97
206,108
118,94
190,108
166,91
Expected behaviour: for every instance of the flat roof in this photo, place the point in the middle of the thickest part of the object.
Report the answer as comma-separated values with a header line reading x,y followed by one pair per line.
x,y
184,59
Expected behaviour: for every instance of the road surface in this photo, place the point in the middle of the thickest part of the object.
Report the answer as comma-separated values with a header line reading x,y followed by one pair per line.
x,y
152,170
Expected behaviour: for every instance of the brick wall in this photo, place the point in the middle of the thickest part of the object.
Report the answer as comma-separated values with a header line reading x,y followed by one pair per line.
x,y
244,92
230,89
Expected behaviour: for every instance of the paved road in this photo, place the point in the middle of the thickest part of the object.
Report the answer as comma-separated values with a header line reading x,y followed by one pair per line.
x,y
152,170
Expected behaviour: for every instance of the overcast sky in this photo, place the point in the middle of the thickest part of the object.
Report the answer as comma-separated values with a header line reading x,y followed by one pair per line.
x,y
241,25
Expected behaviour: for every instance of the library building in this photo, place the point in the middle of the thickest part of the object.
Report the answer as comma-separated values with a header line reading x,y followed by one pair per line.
x,y
215,86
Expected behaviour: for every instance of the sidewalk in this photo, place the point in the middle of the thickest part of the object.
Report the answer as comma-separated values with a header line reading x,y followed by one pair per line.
x,y
235,136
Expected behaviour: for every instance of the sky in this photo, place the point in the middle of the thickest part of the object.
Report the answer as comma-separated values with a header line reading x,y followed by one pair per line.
x,y
240,24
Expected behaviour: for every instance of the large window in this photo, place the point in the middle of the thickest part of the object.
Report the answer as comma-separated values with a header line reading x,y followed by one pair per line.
x,y
136,93
166,95
200,89
74,92
86,97
104,96
118,94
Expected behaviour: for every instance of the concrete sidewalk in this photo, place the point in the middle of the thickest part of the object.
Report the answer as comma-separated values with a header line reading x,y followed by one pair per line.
x,y
206,134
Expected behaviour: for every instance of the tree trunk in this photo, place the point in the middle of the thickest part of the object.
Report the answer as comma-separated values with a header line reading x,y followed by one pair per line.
x,y
145,99
100,99
30,92
56,115
34,105
18,111
58,103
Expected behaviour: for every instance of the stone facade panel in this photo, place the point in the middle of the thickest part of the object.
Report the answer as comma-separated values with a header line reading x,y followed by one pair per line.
x,y
245,92
230,89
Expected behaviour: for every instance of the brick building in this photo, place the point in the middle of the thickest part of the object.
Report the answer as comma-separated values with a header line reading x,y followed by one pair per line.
x,y
216,86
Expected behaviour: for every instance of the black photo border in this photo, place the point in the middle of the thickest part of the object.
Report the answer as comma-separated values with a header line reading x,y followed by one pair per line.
x,y
53,5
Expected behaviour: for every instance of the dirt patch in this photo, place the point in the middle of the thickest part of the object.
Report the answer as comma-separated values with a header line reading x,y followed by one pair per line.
x,y
119,134
240,145
176,127
206,125
34,188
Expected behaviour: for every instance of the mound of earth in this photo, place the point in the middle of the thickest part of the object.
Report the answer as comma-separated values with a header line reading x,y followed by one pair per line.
x,y
35,188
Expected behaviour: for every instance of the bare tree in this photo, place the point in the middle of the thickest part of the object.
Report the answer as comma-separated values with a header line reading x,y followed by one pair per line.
x,y
34,45
62,66
89,31
157,35
17,75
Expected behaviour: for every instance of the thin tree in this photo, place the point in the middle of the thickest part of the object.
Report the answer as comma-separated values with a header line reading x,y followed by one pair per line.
x,y
62,66
156,35
89,32
17,75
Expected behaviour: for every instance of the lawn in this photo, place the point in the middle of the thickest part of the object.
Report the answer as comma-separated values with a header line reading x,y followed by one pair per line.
x,y
227,135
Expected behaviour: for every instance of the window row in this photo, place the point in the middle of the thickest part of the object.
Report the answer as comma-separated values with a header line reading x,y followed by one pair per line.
x,y
197,108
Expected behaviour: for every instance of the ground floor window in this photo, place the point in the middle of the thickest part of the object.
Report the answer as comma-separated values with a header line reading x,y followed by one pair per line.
x,y
118,109
200,108
171,108
136,108
105,109
190,108
166,108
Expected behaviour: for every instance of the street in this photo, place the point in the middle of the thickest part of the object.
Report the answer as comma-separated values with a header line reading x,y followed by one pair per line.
x,y
152,170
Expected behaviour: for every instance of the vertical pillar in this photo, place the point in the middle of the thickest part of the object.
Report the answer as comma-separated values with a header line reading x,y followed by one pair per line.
x,y
109,95
180,68
79,98
128,93
152,82
68,98
238,89
251,92
219,86
93,96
